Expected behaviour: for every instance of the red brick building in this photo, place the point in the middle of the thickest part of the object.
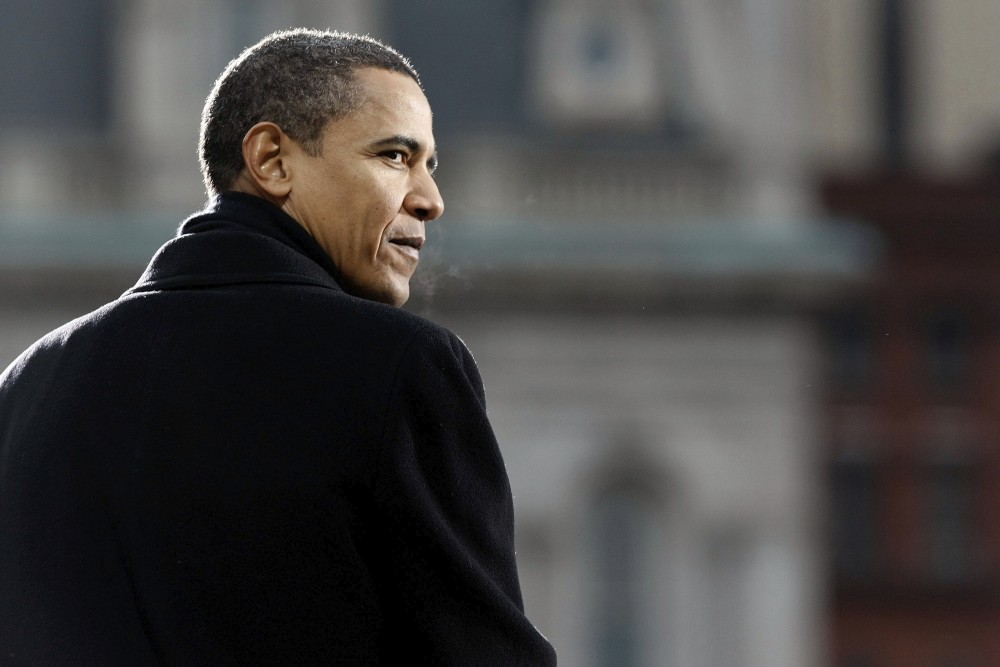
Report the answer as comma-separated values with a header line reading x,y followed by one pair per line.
x,y
913,415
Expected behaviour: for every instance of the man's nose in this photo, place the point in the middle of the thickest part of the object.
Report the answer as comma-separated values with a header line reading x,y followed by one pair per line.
x,y
424,202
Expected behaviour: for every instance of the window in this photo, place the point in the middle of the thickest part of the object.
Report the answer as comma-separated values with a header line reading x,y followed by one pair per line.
x,y
949,497
947,336
622,535
854,517
850,351
600,65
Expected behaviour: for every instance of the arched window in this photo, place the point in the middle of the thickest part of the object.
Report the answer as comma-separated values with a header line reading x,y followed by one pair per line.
x,y
622,545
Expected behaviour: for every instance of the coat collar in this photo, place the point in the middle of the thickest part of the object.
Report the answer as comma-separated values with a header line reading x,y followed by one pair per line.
x,y
237,239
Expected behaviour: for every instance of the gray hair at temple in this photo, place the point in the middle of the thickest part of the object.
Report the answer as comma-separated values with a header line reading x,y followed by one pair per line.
x,y
298,79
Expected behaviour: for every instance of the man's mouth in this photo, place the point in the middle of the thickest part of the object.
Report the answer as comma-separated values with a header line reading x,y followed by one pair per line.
x,y
410,245
416,242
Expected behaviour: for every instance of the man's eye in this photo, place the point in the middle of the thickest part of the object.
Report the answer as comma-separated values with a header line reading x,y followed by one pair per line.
x,y
395,156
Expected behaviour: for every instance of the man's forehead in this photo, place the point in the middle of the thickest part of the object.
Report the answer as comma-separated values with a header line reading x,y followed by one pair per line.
x,y
393,90
394,110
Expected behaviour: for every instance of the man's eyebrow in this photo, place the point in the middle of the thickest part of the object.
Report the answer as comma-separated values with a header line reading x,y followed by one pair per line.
x,y
410,143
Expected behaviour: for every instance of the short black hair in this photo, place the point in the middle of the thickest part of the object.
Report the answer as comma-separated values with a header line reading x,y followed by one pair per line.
x,y
298,79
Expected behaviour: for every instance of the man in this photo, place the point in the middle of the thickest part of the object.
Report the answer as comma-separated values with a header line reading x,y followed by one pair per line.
x,y
253,456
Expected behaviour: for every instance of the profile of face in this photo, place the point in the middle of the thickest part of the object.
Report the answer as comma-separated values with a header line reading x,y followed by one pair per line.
x,y
368,194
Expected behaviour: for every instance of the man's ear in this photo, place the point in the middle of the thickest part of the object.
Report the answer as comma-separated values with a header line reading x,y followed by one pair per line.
x,y
265,156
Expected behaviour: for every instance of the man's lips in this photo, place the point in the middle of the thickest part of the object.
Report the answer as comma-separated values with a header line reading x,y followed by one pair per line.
x,y
415,242
408,245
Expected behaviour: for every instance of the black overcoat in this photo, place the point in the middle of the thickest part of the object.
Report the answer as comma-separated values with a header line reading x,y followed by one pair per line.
x,y
238,463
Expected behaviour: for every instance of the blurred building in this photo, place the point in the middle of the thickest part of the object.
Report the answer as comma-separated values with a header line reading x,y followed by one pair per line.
x,y
914,427
633,248
910,411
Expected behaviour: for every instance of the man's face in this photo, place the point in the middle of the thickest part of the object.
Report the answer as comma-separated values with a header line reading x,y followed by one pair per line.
x,y
366,198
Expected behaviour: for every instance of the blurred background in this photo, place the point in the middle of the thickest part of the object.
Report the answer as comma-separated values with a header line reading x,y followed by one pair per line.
x,y
728,268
